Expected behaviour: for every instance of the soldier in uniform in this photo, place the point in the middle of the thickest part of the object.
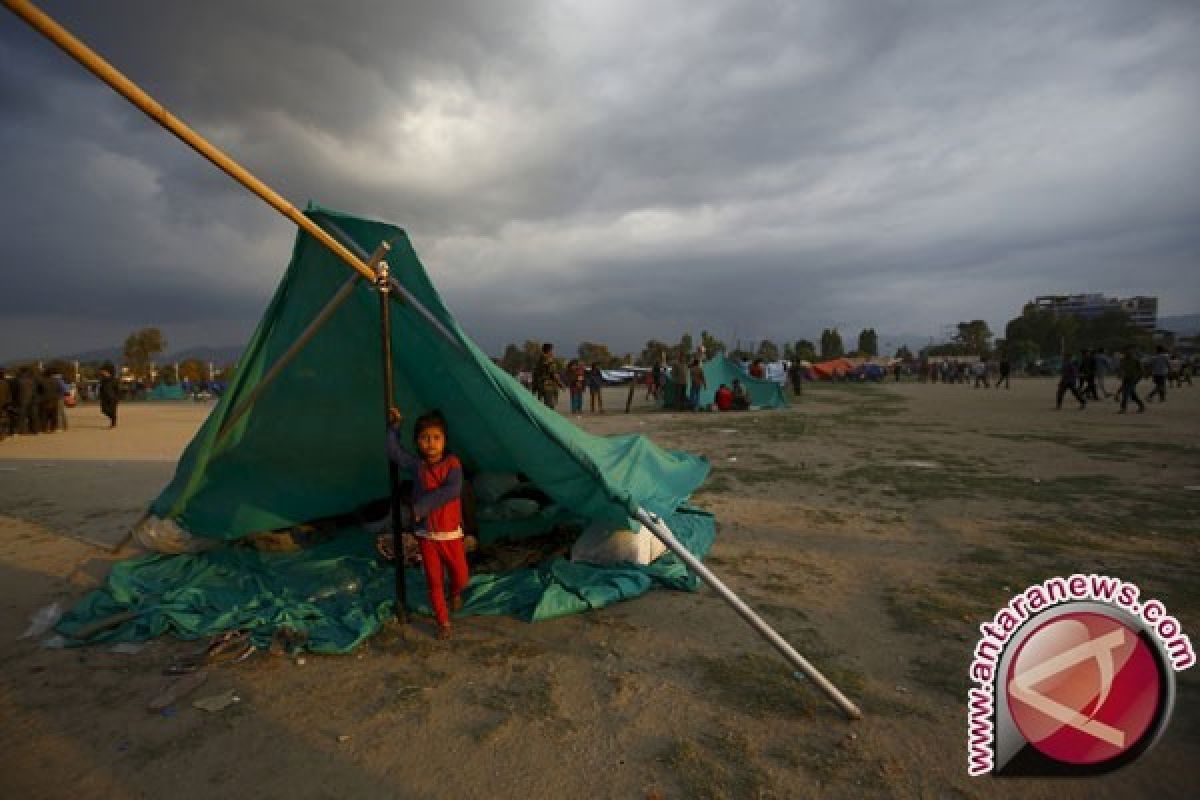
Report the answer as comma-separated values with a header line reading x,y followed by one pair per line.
x,y
545,377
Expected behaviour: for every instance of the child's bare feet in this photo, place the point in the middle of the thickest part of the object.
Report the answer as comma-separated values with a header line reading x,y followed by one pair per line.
x,y
456,603
443,632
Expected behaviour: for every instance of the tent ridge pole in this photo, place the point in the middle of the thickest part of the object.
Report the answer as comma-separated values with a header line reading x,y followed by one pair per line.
x,y
654,523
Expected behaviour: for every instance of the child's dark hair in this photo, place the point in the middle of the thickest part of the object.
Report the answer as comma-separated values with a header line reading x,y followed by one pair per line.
x,y
432,419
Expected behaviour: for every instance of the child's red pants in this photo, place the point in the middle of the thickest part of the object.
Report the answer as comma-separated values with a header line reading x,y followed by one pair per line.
x,y
436,556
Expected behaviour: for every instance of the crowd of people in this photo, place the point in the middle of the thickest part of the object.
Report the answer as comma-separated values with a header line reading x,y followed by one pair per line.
x,y
35,401
1084,377
678,386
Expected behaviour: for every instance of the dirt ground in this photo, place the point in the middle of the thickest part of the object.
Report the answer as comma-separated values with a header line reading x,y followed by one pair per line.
x,y
875,527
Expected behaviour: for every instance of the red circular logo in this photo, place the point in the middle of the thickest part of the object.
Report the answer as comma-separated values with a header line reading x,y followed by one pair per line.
x,y
1083,688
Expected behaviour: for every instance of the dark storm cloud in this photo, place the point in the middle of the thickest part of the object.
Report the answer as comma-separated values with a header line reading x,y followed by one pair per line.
x,y
611,171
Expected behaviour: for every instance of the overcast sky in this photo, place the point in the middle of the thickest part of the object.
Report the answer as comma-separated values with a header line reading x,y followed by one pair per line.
x,y
612,171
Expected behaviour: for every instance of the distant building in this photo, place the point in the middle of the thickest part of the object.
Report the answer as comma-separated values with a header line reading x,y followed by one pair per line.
x,y
1142,310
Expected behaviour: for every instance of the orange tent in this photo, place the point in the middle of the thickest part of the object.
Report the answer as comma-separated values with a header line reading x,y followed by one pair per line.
x,y
827,369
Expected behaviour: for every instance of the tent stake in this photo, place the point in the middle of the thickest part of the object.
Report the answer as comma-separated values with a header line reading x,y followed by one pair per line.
x,y
383,283
654,523
44,24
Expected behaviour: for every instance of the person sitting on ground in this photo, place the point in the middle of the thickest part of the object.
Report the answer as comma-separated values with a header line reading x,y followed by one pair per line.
x,y
723,398
437,510
741,399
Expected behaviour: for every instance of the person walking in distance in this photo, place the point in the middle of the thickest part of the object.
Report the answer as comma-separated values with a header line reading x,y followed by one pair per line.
x,y
1069,383
1005,368
796,372
979,370
545,377
5,403
595,386
1087,370
1103,365
697,383
26,403
1160,365
1131,373
109,394
576,385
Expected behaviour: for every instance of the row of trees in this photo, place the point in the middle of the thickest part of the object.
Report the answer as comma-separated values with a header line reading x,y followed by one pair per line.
x,y
525,357
140,356
973,338
1040,333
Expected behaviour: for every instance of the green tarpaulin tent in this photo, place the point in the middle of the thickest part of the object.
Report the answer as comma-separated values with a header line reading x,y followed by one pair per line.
x,y
719,369
311,446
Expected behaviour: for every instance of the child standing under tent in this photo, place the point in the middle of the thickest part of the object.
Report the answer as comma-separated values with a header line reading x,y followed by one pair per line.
x,y
437,510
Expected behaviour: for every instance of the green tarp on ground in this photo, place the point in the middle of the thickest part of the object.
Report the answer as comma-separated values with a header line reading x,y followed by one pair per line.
x,y
718,370
312,446
340,593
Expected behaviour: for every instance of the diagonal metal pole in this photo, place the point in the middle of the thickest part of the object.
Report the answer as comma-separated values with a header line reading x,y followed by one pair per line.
x,y
655,524
322,317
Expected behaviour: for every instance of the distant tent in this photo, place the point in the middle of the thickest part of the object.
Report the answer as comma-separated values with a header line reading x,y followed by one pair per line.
x,y
720,369
165,391
835,366
311,446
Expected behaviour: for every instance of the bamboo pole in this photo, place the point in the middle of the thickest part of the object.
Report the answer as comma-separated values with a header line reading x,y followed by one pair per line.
x,y
655,526
92,61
